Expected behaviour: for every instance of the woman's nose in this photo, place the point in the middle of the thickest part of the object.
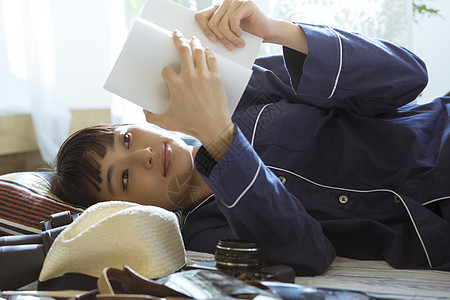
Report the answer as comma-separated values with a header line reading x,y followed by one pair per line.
x,y
145,157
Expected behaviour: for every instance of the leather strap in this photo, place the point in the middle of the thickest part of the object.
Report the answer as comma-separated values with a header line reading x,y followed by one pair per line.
x,y
126,297
133,284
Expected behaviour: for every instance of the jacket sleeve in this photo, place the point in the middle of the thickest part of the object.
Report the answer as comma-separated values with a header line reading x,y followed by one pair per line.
x,y
257,207
350,71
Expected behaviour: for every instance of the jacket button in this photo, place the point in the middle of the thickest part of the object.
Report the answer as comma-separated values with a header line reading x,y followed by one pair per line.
x,y
343,199
396,199
282,179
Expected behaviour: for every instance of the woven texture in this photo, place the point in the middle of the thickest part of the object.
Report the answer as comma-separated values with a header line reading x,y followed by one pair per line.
x,y
114,234
25,200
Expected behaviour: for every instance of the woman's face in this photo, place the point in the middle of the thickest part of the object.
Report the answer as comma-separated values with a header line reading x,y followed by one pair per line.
x,y
147,166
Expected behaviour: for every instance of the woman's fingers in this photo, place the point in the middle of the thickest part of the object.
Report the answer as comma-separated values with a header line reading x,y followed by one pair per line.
x,y
157,119
230,24
198,54
202,17
218,25
184,50
196,65
223,22
229,20
238,16
168,75
214,25
191,53
211,61
197,99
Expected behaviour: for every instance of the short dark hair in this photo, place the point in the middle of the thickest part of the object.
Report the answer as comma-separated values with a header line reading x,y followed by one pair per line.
x,y
77,168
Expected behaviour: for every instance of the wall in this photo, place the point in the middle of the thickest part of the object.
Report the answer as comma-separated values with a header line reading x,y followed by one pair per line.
x,y
431,42
84,34
18,146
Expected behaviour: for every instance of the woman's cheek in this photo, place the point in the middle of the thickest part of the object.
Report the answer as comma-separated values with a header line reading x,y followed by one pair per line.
x,y
179,190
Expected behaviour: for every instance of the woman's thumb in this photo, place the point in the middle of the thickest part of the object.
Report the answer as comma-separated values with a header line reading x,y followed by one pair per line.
x,y
157,119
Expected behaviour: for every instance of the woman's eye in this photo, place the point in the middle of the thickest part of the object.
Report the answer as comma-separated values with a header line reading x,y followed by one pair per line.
x,y
126,139
124,179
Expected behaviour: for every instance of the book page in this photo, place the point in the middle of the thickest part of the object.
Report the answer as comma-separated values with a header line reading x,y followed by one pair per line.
x,y
182,18
136,75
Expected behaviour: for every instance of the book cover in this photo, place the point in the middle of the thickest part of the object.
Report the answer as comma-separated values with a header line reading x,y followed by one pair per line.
x,y
136,75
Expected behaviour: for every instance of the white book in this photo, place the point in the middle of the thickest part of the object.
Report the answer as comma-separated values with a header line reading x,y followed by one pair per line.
x,y
136,75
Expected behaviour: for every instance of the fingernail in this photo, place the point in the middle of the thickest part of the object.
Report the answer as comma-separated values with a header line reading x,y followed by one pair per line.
x,y
212,38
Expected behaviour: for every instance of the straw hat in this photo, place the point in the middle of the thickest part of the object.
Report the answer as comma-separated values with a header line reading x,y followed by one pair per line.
x,y
114,234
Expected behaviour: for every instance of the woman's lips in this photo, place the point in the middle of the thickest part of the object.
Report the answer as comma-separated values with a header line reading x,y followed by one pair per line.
x,y
167,153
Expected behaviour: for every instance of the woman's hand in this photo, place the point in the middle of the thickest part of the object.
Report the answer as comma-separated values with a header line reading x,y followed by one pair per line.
x,y
198,102
227,21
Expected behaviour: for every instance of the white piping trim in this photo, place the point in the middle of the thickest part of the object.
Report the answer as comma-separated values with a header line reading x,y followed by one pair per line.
x,y
256,123
365,191
436,200
246,189
331,187
195,208
340,62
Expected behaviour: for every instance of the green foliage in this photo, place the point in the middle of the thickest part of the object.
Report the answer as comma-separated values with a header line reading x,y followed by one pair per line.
x,y
419,8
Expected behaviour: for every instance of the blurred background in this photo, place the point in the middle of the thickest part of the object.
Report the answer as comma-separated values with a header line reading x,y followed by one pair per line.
x,y
55,56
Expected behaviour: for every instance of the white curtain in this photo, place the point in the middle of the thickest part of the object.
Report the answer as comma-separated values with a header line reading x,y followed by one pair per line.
x,y
29,43
55,56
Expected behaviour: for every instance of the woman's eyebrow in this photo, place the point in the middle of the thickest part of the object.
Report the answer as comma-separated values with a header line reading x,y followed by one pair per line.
x,y
110,171
108,178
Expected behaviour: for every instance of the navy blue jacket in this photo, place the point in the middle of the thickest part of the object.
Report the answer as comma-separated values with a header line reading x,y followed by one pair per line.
x,y
329,158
